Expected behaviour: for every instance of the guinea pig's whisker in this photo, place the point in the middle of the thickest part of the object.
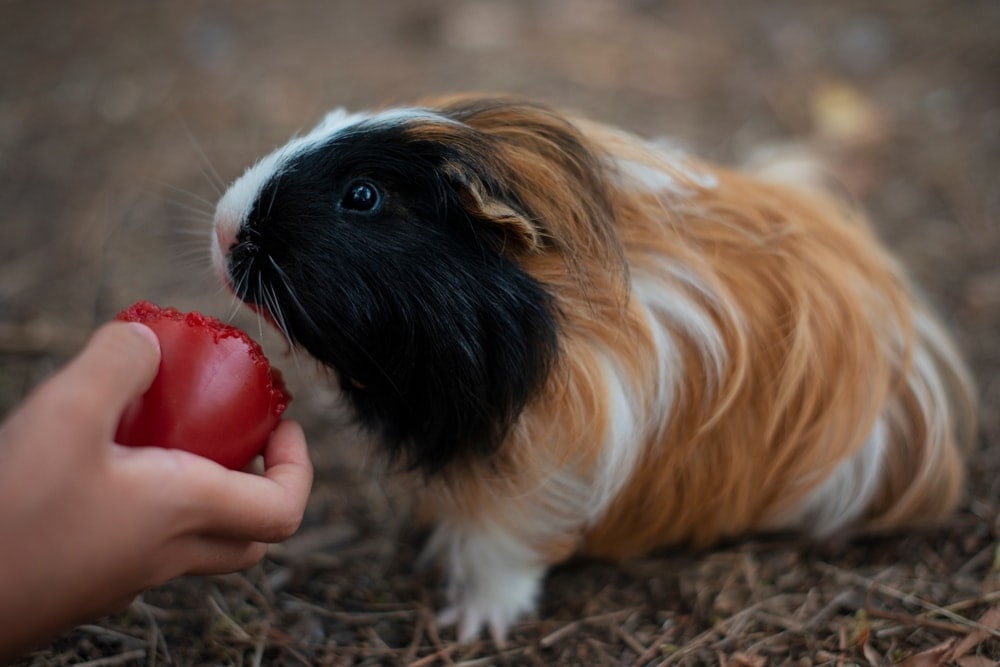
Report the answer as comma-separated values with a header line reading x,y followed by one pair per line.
x,y
260,292
237,304
190,214
192,260
287,287
195,226
241,277
207,169
269,297
187,199
193,197
273,306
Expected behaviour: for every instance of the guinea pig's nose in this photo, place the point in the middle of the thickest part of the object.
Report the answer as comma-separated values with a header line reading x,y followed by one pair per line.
x,y
226,229
223,239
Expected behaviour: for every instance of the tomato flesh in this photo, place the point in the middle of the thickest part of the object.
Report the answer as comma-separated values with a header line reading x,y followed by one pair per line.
x,y
215,393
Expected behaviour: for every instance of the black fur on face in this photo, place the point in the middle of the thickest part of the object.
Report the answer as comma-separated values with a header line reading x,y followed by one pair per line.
x,y
367,252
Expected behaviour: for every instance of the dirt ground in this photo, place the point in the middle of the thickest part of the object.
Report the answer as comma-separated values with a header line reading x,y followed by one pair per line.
x,y
119,121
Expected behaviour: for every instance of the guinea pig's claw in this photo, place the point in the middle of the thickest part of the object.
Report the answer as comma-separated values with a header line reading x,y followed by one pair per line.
x,y
493,580
470,623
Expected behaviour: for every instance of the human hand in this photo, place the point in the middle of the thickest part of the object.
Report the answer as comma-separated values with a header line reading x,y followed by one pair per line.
x,y
86,524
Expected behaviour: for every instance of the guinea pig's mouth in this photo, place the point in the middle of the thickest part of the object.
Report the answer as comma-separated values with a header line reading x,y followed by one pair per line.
x,y
243,261
240,265
263,311
243,270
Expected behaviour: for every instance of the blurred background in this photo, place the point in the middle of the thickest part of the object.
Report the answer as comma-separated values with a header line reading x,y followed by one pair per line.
x,y
121,122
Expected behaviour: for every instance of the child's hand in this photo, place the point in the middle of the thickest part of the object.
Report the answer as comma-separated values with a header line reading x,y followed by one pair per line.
x,y
86,524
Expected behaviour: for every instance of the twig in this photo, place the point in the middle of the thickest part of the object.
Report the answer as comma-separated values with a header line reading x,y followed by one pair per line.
x,y
909,598
764,641
789,624
909,620
355,616
654,648
306,662
491,659
693,645
122,637
443,653
432,632
630,640
418,632
258,652
571,627
984,556
973,639
119,659
260,598
557,635
986,598
228,620
159,613
156,640
723,626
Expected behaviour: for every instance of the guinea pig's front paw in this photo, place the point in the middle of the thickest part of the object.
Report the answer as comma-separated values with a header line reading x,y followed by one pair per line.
x,y
506,599
493,580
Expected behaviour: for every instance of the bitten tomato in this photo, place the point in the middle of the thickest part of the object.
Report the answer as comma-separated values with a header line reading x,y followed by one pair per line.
x,y
215,393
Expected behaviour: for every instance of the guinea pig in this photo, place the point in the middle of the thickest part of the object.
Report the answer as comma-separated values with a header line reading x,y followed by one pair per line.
x,y
582,342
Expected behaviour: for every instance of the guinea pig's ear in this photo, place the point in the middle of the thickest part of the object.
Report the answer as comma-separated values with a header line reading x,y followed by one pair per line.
x,y
478,201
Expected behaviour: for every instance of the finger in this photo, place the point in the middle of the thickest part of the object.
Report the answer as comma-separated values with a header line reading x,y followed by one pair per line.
x,y
222,556
288,475
266,508
119,363
287,462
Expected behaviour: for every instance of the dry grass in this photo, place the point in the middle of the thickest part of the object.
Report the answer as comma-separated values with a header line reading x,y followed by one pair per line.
x,y
352,599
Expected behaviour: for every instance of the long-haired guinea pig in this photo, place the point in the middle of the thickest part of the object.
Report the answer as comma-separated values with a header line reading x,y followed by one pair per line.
x,y
586,343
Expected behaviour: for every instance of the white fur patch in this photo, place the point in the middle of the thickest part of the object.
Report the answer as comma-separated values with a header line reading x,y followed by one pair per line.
x,y
642,176
664,169
493,578
622,443
934,355
843,497
669,363
791,164
684,314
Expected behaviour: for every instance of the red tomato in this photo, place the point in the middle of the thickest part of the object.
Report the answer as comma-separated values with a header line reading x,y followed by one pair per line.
x,y
215,393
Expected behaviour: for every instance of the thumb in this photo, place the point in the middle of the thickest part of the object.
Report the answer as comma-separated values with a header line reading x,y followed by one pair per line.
x,y
118,363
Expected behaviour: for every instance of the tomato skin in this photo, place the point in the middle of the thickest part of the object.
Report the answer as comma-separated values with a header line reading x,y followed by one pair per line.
x,y
215,393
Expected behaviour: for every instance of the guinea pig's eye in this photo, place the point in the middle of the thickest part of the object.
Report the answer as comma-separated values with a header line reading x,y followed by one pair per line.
x,y
361,196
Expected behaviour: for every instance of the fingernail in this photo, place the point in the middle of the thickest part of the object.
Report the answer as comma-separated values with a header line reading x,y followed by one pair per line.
x,y
146,333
